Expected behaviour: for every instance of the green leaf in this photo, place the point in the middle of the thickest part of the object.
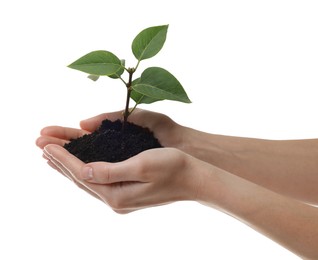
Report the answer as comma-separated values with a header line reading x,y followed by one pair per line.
x,y
97,63
93,77
157,83
118,73
149,42
140,98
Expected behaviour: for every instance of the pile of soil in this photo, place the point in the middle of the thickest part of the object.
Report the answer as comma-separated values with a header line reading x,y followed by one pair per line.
x,y
112,143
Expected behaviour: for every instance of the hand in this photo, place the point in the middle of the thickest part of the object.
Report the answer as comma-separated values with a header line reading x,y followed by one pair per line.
x,y
165,129
151,178
168,132
166,167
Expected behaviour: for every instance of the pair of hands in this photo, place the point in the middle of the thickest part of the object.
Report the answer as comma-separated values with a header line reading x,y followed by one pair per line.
x,y
151,178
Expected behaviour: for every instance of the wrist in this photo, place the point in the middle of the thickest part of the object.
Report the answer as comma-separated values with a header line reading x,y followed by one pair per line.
x,y
203,146
207,184
191,178
225,192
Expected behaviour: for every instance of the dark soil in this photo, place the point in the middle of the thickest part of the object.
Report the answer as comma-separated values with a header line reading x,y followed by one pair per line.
x,y
112,143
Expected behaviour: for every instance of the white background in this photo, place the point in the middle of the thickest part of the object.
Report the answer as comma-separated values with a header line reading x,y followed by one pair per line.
x,y
250,68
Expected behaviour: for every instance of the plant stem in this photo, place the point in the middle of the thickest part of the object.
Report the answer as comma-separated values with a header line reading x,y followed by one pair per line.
x,y
122,80
137,65
126,112
128,85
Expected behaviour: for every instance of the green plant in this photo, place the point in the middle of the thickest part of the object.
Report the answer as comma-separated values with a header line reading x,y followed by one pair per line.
x,y
153,85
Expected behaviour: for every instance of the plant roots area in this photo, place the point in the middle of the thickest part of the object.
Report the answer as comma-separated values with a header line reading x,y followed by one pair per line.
x,y
112,143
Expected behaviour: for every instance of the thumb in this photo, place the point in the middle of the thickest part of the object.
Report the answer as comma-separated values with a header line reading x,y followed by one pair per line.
x,y
91,124
107,173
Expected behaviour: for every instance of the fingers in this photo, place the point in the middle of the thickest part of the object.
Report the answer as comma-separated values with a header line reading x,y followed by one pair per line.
x,y
63,160
43,141
58,135
65,133
55,165
52,165
69,166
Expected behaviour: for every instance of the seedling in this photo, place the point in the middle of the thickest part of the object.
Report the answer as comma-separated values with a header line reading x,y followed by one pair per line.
x,y
154,84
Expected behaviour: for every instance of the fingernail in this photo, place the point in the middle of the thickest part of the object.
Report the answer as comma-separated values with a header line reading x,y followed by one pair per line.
x,y
87,173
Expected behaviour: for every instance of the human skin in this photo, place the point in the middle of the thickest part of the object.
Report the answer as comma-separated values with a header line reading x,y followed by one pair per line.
x,y
265,184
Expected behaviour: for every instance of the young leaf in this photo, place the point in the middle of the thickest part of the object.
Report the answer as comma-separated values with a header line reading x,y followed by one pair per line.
x,y
97,63
157,83
93,77
140,98
149,42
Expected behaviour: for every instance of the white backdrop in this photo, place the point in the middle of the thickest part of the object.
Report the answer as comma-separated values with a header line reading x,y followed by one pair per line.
x,y
250,68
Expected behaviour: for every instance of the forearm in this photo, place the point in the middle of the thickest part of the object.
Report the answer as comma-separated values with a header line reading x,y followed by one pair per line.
x,y
290,223
287,167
